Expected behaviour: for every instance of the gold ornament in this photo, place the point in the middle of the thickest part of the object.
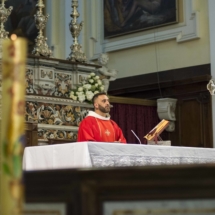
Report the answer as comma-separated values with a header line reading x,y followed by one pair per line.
x,y
76,55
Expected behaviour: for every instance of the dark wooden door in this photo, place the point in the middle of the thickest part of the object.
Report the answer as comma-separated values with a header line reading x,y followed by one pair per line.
x,y
194,121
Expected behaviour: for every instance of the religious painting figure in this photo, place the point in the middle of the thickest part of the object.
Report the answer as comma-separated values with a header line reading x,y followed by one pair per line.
x,y
149,6
97,125
126,16
21,21
113,12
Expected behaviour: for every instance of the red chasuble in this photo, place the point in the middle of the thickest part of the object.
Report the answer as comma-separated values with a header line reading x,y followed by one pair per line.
x,y
100,129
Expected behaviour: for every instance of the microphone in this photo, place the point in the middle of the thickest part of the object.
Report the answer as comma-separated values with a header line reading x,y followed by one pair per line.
x,y
136,136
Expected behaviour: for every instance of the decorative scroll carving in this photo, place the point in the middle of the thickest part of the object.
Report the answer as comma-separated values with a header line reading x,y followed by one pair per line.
x,y
29,81
107,74
211,87
63,84
166,110
54,114
48,82
4,13
45,134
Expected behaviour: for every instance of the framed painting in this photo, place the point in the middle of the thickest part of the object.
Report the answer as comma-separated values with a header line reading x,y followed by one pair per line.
x,y
128,16
21,21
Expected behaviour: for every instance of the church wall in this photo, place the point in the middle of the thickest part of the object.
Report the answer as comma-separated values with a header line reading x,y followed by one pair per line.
x,y
141,59
166,55
57,29
189,47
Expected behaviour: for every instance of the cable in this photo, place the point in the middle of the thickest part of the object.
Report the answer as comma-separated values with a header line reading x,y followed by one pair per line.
x,y
156,59
136,136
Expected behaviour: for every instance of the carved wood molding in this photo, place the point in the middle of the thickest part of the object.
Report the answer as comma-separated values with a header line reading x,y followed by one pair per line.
x,y
170,83
133,101
58,127
56,100
60,132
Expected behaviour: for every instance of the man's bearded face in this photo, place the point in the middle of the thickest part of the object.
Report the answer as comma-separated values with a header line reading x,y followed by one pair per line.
x,y
102,104
105,109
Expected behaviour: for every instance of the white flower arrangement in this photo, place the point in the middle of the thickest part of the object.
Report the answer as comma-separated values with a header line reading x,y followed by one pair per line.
x,y
91,86
80,89
91,81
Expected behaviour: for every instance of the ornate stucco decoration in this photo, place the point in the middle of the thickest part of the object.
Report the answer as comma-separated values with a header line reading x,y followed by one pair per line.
x,y
57,118
41,48
107,74
211,87
166,110
4,13
76,55
56,100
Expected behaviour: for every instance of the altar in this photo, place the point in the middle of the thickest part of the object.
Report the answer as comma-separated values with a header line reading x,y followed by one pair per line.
x,y
96,154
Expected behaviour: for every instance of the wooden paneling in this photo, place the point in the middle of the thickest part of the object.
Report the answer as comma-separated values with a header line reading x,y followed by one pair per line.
x,y
85,191
31,134
133,101
190,115
154,81
194,123
188,85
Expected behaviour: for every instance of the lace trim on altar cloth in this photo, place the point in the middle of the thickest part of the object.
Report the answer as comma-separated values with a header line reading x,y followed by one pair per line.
x,y
113,160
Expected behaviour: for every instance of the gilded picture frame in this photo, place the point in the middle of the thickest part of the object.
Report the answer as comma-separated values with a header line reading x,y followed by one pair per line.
x,y
128,16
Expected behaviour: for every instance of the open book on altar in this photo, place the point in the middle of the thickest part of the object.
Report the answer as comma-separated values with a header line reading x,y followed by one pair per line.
x,y
157,130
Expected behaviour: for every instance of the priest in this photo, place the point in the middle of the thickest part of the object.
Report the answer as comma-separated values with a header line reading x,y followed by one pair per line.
x,y
97,125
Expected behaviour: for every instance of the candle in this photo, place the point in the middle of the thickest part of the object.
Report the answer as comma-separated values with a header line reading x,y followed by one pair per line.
x,y
13,127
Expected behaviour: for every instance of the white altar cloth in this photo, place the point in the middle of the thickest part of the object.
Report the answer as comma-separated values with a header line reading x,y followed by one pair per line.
x,y
94,154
